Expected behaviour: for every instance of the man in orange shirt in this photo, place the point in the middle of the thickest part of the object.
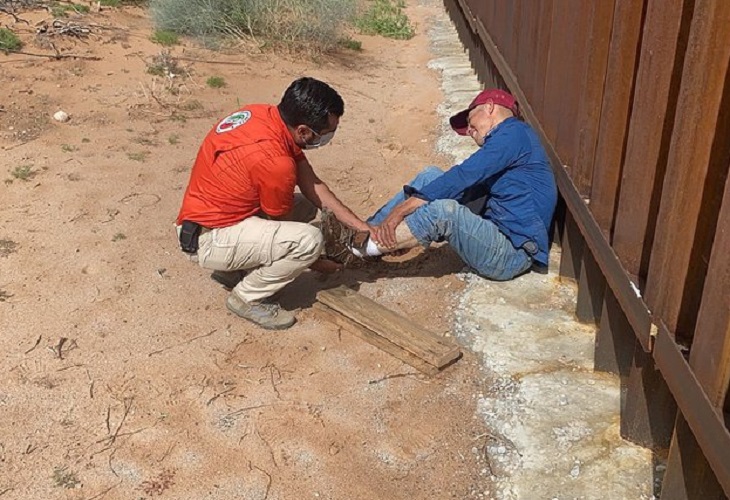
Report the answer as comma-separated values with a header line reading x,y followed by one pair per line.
x,y
240,212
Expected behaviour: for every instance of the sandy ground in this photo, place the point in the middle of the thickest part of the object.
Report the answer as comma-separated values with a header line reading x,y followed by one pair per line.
x,y
123,374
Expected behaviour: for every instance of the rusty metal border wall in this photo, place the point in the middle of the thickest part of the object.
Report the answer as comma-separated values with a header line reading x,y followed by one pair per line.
x,y
632,101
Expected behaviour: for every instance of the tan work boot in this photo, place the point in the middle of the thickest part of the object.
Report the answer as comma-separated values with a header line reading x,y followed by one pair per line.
x,y
339,240
267,315
229,279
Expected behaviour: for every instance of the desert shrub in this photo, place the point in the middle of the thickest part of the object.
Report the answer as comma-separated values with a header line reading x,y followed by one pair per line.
x,y
66,9
165,37
315,25
386,18
216,82
9,41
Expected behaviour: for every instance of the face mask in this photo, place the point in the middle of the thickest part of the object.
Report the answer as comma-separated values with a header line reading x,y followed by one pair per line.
x,y
323,140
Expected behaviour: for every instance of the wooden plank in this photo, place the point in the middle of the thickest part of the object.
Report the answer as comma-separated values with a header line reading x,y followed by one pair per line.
x,y
615,111
591,287
696,173
652,120
375,339
399,330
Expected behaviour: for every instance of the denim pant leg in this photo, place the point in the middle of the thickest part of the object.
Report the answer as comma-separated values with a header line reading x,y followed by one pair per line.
x,y
478,241
423,178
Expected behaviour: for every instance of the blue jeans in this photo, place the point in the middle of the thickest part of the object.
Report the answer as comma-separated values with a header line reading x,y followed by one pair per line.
x,y
478,241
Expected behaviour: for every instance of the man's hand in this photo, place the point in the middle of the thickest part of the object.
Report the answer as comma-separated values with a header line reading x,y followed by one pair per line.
x,y
326,266
384,234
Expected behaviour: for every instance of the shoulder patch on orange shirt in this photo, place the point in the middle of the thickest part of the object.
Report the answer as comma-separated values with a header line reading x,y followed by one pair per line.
x,y
233,121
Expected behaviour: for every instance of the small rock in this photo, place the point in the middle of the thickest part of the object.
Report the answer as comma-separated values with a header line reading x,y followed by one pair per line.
x,y
661,468
575,471
61,116
501,450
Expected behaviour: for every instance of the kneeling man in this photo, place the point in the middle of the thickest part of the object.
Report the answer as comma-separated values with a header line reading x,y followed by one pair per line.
x,y
240,213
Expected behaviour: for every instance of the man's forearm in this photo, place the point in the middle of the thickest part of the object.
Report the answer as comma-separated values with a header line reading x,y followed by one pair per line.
x,y
328,200
408,206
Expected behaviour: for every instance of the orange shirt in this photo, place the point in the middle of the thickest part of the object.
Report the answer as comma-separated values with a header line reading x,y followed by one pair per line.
x,y
246,164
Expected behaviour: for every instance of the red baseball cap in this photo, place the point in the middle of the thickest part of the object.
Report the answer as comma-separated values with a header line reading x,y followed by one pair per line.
x,y
460,121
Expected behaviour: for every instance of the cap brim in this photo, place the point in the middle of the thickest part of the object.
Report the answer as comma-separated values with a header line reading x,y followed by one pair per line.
x,y
460,122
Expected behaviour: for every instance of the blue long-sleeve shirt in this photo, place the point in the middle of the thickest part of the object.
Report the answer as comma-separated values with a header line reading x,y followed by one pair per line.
x,y
513,171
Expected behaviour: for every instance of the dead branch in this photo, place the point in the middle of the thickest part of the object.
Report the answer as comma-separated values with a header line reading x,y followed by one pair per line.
x,y
111,467
244,410
211,61
99,495
34,345
219,395
182,343
271,450
56,56
77,365
91,384
271,368
169,449
396,375
14,16
268,480
59,347
59,27
127,407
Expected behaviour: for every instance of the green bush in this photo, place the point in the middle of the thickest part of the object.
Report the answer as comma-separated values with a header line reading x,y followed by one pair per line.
x,y
351,44
9,41
165,38
216,82
63,10
386,18
312,24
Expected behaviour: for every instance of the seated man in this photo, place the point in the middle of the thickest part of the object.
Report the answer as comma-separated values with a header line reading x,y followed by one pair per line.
x,y
240,212
510,174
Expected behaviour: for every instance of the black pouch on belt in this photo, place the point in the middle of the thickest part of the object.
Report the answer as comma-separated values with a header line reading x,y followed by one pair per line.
x,y
189,233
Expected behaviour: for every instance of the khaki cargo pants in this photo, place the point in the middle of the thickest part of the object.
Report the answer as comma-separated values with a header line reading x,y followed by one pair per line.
x,y
276,251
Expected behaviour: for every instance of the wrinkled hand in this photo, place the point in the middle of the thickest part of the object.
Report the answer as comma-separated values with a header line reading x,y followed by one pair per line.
x,y
384,234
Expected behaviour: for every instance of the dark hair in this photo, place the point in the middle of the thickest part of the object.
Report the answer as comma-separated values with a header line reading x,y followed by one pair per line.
x,y
309,102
